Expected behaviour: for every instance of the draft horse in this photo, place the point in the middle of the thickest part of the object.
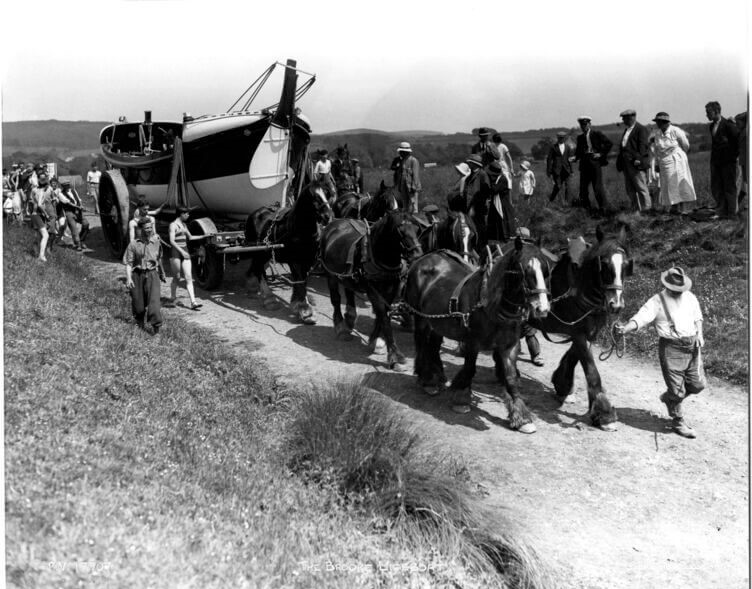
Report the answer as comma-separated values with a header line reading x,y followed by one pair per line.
x,y
368,259
351,205
456,232
587,285
297,229
481,307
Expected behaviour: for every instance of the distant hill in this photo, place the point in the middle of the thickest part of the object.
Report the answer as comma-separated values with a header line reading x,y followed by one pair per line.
x,y
374,148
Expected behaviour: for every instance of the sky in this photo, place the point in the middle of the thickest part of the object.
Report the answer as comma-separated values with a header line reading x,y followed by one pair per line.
x,y
383,65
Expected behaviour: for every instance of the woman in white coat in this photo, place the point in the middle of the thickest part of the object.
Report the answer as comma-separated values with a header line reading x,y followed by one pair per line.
x,y
669,146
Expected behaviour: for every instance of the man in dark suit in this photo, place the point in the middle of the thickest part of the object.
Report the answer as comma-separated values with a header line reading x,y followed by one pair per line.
x,y
724,152
592,153
634,160
559,165
485,148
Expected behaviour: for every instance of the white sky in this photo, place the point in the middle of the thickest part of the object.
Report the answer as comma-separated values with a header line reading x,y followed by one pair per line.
x,y
379,64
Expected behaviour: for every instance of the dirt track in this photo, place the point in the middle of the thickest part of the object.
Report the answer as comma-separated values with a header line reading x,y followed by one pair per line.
x,y
638,508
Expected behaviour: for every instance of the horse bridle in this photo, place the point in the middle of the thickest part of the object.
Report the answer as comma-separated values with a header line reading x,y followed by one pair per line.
x,y
528,293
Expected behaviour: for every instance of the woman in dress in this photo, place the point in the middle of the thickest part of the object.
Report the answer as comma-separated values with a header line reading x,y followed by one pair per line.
x,y
670,146
180,259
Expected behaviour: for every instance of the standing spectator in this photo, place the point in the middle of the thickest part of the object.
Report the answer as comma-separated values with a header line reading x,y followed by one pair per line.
x,y
409,178
92,181
676,316
592,153
477,196
342,171
670,145
44,215
358,176
29,181
741,123
485,148
59,213
495,190
322,172
505,158
457,201
143,271
73,209
724,152
559,166
527,180
18,196
633,160
180,259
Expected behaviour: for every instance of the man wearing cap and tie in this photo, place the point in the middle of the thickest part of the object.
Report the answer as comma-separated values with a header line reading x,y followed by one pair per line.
x,y
634,160
724,153
592,153
485,148
559,166
676,316
407,177
143,272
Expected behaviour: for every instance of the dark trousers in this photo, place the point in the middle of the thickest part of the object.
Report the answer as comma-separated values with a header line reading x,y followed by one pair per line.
x,y
591,174
145,296
77,233
561,181
723,188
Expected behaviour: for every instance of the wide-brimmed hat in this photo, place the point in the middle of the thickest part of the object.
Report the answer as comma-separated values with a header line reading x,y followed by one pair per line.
x,y
405,146
662,116
584,118
523,232
483,131
525,165
463,169
474,159
494,167
432,208
675,279
630,112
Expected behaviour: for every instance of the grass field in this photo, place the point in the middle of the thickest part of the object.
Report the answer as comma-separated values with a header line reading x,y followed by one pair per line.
x,y
171,461
715,254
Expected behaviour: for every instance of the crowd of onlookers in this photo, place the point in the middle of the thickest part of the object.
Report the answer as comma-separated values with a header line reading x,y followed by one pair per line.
x,y
32,194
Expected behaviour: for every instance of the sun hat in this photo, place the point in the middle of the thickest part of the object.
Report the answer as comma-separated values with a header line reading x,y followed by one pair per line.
x,y
561,134
432,208
474,159
525,165
583,118
463,169
524,233
630,112
354,160
662,116
483,131
404,146
675,279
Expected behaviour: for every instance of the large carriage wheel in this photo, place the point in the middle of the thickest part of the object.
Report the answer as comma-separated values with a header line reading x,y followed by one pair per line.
x,y
208,265
114,206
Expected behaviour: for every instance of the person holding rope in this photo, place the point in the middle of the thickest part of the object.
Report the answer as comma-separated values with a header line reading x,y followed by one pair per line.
x,y
180,259
676,316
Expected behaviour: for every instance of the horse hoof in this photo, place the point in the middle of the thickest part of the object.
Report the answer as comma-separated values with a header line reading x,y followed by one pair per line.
x,y
608,427
309,320
378,347
527,428
399,367
462,409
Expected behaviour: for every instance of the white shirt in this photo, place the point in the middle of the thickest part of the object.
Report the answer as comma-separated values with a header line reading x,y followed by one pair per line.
x,y
626,135
562,147
324,167
684,309
93,177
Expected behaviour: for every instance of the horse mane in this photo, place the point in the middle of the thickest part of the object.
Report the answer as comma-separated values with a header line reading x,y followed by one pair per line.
x,y
497,280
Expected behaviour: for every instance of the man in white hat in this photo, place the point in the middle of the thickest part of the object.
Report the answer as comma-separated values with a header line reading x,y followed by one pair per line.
x,y
592,153
633,160
676,316
407,177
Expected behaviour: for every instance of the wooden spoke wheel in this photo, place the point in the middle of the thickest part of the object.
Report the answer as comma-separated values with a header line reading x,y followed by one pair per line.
x,y
114,206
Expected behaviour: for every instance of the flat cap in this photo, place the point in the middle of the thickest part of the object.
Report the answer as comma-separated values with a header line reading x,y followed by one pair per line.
x,y
584,118
630,112
561,134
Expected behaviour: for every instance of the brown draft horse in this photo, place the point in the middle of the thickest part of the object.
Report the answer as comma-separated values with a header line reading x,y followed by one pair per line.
x,y
368,259
587,290
481,308
352,205
297,229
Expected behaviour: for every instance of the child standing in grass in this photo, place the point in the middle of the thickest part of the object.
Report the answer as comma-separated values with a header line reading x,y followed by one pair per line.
x,y
527,181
